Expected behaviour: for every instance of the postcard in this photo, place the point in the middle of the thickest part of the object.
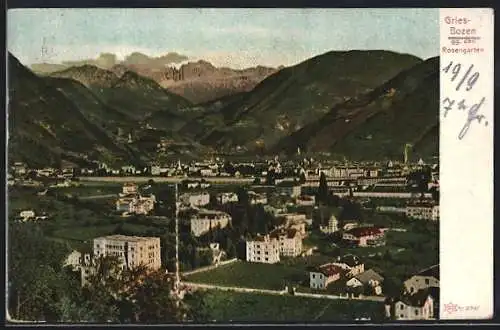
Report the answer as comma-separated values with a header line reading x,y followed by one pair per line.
x,y
235,166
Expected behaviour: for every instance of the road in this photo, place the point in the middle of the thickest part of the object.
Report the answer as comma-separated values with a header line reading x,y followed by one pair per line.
x,y
162,179
98,197
276,292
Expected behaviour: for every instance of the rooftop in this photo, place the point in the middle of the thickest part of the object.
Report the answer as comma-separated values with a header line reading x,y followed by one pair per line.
x,y
364,231
417,299
330,269
124,238
369,275
350,260
431,271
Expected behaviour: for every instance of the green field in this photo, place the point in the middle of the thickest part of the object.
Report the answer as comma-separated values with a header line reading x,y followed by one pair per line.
x,y
226,307
251,275
88,190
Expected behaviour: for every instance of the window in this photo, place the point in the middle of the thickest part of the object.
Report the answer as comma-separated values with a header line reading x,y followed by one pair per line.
x,y
416,311
402,307
314,275
427,281
401,316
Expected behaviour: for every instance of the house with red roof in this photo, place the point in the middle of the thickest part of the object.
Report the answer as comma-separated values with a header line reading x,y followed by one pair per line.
x,y
365,236
323,275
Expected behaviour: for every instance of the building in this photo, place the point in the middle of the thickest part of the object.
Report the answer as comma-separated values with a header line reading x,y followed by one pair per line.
x,y
306,200
155,170
137,204
27,215
365,236
300,227
418,306
263,249
228,197
132,251
351,264
129,189
323,275
427,278
215,251
204,220
20,168
74,260
347,172
332,226
255,198
289,188
196,199
422,212
368,279
290,241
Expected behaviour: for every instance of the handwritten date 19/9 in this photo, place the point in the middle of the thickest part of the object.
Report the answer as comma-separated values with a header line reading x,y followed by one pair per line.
x,y
472,113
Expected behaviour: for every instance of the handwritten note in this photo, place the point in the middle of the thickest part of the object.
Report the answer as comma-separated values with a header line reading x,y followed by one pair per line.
x,y
469,78
466,162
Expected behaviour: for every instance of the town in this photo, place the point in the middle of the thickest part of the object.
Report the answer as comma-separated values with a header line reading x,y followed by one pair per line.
x,y
301,227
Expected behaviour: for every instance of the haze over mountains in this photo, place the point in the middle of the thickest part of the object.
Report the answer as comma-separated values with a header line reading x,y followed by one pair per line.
x,y
357,104
198,81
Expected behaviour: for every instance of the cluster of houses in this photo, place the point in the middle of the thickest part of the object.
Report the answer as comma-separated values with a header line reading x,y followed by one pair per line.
x,y
131,201
351,271
420,297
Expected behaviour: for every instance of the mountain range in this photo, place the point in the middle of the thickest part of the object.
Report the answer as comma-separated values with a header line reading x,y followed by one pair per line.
x,y
197,81
357,104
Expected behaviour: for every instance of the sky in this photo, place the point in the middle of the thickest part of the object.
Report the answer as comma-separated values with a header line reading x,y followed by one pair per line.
x,y
235,38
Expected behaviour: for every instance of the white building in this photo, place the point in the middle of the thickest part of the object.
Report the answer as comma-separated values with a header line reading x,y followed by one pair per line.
x,y
332,226
369,278
419,306
290,241
129,189
132,251
351,264
306,200
204,219
155,170
324,275
425,279
136,204
27,214
228,197
263,249
196,199
74,260
423,212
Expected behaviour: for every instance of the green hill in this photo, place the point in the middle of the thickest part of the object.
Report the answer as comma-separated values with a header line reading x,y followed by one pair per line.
x,y
132,94
376,125
296,96
45,126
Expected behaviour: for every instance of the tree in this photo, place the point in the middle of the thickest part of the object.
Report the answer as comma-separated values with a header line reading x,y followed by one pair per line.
x,y
302,178
271,177
35,279
323,189
152,300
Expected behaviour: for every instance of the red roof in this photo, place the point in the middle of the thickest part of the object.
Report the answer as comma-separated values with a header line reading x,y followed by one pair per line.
x,y
330,270
364,231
